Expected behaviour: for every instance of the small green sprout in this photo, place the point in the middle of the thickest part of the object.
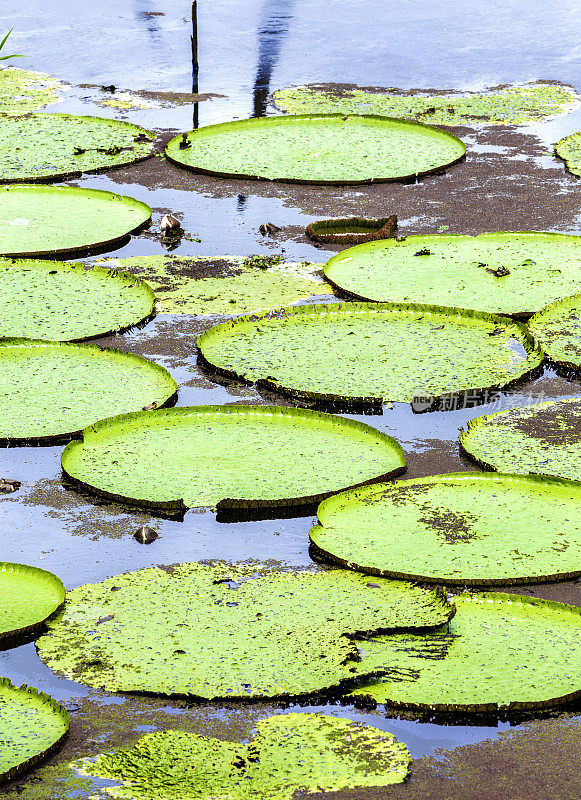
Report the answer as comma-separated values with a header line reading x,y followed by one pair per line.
x,y
3,42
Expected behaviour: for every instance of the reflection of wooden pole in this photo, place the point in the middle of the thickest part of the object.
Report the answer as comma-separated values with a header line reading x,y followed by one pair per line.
x,y
195,65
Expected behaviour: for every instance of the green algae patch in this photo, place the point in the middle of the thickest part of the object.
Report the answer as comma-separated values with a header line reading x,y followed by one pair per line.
x,y
22,91
371,352
499,273
38,404
499,652
289,753
227,632
32,725
28,596
234,456
317,148
511,105
544,438
453,529
202,286
51,220
66,302
569,149
41,147
557,328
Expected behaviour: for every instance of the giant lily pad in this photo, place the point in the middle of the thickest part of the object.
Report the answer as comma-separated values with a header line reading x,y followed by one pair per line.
x,y
227,631
466,528
371,352
500,651
544,438
28,596
557,328
65,302
289,753
259,455
51,389
49,220
317,148
52,146
22,91
569,149
32,724
501,273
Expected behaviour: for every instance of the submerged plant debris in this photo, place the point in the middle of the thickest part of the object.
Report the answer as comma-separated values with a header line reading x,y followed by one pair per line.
x,y
289,753
569,149
227,632
28,596
22,91
557,328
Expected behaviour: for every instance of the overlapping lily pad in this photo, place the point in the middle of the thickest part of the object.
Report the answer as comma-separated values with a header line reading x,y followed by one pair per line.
x,y
32,724
462,528
56,146
317,148
234,456
66,302
544,438
28,596
227,631
289,753
371,352
22,91
500,273
569,149
557,328
53,390
51,220
499,652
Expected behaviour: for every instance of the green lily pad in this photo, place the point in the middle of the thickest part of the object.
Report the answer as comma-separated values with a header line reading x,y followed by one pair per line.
x,y
28,596
32,725
557,328
511,105
351,230
453,529
46,220
66,302
289,753
57,146
500,651
22,91
569,149
204,455
371,352
201,285
317,148
226,631
52,390
500,273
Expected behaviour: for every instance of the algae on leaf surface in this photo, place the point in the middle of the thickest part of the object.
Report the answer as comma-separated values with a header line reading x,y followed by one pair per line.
x,y
28,596
557,328
569,149
22,91
227,631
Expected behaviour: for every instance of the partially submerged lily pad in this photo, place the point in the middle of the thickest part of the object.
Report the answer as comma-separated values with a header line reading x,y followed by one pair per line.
x,y
289,753
499,652
22,91
50,220
352,230
57,146
500,273
557,328
317,148
28,596
371,352
569,149
53,390
463,528
65,302
508,105
237,456
227,632
32,725
544,438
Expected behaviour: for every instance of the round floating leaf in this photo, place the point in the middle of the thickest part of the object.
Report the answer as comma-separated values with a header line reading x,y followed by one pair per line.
x,y
28,596
53,146
372,352
51,389
569,149
227,631
500,651
199,456
544,438
32,724
557,328
46,220
453,529
22,91
290,753
317,148
65,302
504,273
